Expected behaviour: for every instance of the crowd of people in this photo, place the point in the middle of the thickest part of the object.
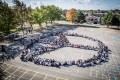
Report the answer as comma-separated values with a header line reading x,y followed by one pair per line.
x,y
9,53
36,45
30,54
29,41
28,31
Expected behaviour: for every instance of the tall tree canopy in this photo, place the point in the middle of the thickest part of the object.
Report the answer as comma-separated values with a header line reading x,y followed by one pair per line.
x,y
38,16
54,13
107,18
115,20
70,15
111,19
46,13
7,18
79,17
21,11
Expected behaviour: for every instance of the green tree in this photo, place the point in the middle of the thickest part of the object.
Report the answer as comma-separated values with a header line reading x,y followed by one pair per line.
x,y
54,13
79,17
21,12
7,18
38,16
63,17
29,17
45,13
115,20
107,19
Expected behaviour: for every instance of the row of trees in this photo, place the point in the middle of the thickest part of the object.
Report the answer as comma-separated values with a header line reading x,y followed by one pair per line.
x,y
46,14
77,16
111,19
13,16
102,11
7,18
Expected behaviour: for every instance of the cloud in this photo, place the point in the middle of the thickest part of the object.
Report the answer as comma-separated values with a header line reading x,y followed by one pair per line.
x,y
87,2
95,3
33,3
82,1
22,0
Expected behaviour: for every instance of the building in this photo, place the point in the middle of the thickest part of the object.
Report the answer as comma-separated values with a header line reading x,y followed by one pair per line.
x,y
94,18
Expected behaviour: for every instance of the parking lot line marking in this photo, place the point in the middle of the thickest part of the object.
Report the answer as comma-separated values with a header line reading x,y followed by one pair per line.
x,y
97,74
34,75
45,77
33,71
1,62
90,72
25,78
57,78
51,69
77,70
8,72
60,71
82,56
1,65
61,78
22,74
7,68
13,72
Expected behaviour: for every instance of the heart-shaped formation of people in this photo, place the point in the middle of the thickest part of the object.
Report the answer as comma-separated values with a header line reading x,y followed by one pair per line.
x,y
31,53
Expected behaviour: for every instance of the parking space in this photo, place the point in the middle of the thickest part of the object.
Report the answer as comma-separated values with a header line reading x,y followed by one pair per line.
x,y
17,73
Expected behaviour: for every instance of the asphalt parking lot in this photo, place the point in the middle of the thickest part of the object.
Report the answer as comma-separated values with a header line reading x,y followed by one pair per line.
x,y
13,72
18,70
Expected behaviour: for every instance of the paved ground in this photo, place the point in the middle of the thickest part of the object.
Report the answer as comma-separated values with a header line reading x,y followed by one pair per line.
x,y
18,70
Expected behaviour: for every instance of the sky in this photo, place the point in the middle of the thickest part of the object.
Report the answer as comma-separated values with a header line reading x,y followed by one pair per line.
x,y
77,4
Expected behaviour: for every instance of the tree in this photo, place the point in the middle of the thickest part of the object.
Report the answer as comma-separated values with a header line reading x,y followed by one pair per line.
x,y
29,17
46,13
100,20
63,17
79,17
21,12
92,12
70,15
98,11
115,20
7,18
54,13
107,18
111,19
38,16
